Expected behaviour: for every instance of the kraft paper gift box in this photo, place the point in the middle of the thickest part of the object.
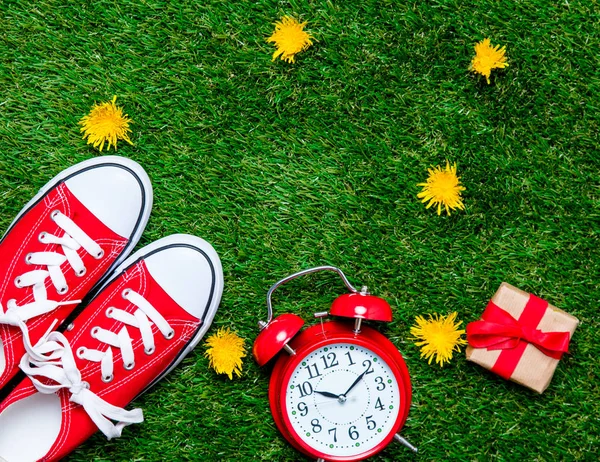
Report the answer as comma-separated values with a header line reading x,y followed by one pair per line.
x,y
520,337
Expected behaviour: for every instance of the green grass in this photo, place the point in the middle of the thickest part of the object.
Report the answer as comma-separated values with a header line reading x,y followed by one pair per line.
x,y
282,167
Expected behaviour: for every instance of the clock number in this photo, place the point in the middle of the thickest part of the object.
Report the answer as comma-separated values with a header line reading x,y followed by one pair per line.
x,y
352,433
352,363
303,408
330,361
315,425
310,368
367,363
378,404
371,424
334,430
305,389
380,384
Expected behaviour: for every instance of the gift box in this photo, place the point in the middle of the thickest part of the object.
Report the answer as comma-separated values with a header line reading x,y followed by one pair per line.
x,y
520,337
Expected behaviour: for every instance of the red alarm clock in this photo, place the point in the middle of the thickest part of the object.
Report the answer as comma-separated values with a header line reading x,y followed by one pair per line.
x,y
341,391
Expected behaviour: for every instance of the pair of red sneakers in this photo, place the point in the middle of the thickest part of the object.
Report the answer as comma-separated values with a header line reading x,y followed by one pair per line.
x,y
90,326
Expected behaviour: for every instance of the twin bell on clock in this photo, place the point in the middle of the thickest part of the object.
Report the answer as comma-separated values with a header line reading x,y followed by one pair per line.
x,y
339,390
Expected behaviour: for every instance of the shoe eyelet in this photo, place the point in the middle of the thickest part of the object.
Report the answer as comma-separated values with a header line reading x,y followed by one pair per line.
x,y
109,311
80,352
81,273
170,334
150,350
129,366
94,331
70,327
125,293
62,290
99,255
108,378
85,385
18,282
54,214
42,236
28,258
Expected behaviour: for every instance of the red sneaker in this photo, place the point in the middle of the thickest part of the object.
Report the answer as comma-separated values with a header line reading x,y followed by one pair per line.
x,y
63,242
151,313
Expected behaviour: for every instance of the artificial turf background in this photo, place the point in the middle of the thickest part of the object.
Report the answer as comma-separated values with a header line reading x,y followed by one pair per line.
x,y
282,167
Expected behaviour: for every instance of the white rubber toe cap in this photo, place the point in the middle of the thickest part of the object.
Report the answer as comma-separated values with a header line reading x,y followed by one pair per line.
x,y
189,270
115,193
29,427
114,188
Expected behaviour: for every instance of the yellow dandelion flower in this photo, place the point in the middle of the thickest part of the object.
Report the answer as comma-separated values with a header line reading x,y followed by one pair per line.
x,y
442,188
438,336
105,123
225,352
289,38
487,58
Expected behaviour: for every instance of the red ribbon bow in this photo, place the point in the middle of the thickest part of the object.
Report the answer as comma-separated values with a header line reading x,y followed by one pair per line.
x,y
498,330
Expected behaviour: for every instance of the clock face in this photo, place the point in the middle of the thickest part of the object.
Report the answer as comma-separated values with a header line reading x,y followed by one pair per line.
x,y
342,399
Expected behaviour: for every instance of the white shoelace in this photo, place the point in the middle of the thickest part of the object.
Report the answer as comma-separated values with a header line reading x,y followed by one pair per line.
x,y
73,239
53,359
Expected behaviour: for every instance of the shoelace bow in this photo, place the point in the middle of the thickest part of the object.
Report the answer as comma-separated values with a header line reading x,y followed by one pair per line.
x,y
53,360
73,239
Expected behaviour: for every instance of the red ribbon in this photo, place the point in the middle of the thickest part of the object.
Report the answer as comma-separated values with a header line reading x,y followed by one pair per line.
x,y
498,330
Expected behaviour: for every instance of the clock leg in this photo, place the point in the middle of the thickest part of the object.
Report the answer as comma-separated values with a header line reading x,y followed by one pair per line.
x,y
403,441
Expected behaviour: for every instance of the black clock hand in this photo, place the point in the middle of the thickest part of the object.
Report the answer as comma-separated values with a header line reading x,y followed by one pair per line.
x,y
326,393
342,397
358,379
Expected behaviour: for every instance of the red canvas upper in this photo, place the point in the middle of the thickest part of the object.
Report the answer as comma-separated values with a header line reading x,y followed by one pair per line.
x,y
22,239
76,425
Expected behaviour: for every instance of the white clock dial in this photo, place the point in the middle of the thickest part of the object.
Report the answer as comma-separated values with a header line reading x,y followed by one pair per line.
x,y
342,399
